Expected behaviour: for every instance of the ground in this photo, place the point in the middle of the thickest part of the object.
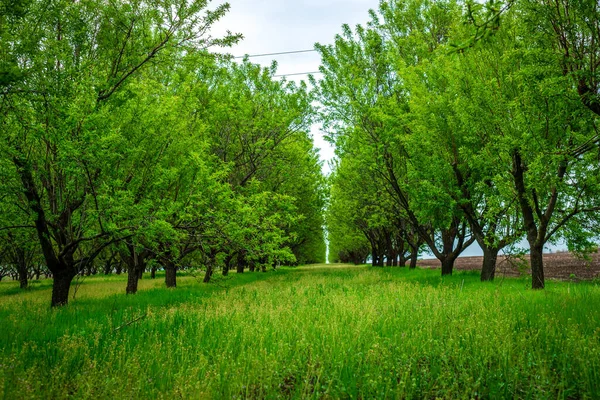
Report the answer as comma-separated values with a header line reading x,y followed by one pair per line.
x,y
326,332
562,265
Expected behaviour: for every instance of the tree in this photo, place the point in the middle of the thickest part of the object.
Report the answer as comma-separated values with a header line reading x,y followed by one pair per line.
x,y
71,60
366,102
537,128
487,143
455,158
257,127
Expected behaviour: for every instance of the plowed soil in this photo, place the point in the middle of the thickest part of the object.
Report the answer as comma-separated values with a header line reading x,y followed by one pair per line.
x,y
561,265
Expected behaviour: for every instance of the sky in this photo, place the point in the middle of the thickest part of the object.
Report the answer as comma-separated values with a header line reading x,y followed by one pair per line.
x,y
275,26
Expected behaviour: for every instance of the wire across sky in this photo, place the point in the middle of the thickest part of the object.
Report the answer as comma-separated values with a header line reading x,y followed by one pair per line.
x,y
277,54
283,53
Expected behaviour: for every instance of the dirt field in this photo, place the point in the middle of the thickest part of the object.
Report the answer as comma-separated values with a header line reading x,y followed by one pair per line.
x,y
556,266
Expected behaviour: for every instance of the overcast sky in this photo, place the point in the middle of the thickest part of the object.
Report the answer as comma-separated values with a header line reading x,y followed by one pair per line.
x,y
282,25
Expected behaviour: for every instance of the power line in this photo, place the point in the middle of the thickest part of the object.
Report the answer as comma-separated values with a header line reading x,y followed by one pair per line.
x,y
297,73
276,54
281,53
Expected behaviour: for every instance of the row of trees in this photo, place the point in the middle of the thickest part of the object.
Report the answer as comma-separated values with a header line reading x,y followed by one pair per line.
x,y
126,144
457,123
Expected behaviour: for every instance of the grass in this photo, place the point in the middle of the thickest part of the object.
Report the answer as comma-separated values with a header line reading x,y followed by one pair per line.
x,y
311,332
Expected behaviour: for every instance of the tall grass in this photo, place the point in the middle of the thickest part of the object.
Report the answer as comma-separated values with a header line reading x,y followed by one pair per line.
x,y
313,332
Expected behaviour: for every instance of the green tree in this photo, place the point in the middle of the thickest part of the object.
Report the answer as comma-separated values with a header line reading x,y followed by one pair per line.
x,y
539,133
72,60
366,102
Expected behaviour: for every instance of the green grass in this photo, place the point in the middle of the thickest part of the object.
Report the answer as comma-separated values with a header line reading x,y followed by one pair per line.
x,y
312,332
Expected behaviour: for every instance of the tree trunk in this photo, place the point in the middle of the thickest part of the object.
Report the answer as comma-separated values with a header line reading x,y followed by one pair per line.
x,y
414,257
240,265
488,269
535,235
153,273
374,256
447,266
400,257
134,263
227,265
537,266
22,271
389,250
132,282
23,282
389,260
60,288
171,277
208,273
170,274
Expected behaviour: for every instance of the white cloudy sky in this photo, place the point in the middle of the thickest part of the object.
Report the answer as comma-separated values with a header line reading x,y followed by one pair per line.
x,y
272,26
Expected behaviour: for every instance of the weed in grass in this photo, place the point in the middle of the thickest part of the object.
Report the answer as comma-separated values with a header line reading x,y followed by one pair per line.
x,y
311,332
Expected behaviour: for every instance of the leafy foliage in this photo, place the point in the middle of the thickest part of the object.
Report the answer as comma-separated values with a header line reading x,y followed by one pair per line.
x,y
126,141
465,122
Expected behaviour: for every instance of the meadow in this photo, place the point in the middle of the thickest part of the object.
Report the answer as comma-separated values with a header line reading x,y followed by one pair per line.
x,y
310,332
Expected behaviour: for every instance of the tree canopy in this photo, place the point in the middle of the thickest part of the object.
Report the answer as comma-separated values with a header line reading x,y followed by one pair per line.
x,y
126,141
464,122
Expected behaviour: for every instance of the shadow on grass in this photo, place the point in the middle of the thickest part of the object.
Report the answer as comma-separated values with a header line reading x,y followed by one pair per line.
x,y
34,322
187,290
421,276
12,288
